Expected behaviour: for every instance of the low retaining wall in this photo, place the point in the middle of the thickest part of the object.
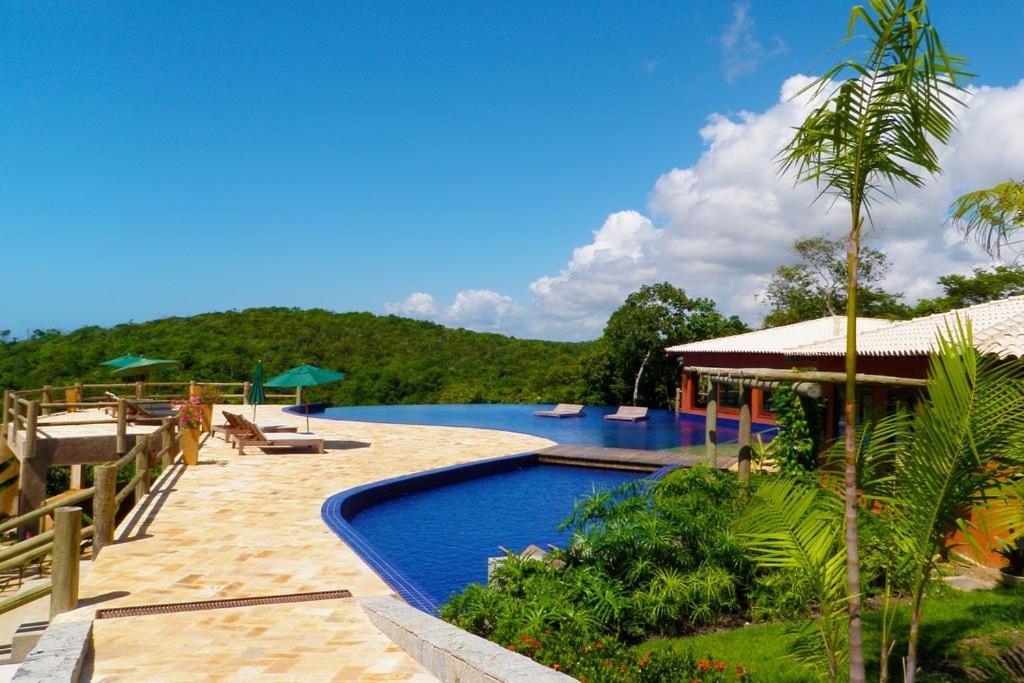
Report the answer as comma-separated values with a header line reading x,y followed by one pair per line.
x,y
449,653
59,656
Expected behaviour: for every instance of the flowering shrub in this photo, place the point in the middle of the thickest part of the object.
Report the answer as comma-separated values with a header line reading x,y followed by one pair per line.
x,y
190,413
608,661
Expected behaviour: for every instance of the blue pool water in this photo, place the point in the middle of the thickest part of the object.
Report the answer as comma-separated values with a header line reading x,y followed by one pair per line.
x,y
440,539
664,429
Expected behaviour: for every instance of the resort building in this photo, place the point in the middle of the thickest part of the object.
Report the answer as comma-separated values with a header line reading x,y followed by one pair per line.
x,y
889,350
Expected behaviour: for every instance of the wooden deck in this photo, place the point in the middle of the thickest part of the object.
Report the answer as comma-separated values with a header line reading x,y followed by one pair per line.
x,y
628,458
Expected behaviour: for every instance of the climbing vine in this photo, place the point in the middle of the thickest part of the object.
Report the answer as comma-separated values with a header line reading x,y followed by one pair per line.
x,y
795,448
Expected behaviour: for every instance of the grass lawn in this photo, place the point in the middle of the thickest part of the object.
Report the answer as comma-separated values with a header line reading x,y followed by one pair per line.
x,y
950,618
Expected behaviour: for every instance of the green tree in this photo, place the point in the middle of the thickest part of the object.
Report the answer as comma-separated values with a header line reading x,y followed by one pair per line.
x,y
628,364
982,285
993,216
874,130
815,286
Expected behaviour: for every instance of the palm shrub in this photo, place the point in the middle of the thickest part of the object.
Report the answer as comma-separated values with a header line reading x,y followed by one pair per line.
x,y
961,450
792,525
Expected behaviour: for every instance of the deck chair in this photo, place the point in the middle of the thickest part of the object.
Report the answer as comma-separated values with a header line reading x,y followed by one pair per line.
x,y
628,414
153,410
233,426
255,436
562,410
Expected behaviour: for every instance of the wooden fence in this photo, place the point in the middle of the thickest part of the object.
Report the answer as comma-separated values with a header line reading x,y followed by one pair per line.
x,y
65,540
22,416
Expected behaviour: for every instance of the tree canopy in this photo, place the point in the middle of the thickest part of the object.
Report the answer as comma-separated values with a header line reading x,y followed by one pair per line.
x,y
815,285
627,365
387,359
982,285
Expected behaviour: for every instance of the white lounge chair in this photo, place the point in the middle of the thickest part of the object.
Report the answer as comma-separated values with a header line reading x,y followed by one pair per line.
x,y
628,414
562,410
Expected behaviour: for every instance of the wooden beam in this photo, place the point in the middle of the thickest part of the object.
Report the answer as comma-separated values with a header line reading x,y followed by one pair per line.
x,y
778,375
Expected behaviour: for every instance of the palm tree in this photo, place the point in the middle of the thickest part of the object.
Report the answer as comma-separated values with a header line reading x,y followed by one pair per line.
x,y
959,450
991,216
872,131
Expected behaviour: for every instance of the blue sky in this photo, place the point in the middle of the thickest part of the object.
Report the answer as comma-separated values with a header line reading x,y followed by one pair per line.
x,y
173,158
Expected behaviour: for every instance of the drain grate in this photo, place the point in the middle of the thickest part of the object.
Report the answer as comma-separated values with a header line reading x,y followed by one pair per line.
x,y
200,605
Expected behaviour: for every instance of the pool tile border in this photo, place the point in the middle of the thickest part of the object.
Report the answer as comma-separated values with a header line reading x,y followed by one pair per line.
x,y
337,510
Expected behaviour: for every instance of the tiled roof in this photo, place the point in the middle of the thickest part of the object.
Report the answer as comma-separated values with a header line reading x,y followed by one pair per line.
x,y
998,328
780,339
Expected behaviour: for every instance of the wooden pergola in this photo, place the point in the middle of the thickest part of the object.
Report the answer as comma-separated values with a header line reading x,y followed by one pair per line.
x,y
805,383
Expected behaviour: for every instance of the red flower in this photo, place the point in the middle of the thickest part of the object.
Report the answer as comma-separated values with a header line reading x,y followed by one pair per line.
x,y
720,666
598,645
740,671
556,666
704,665
694,680
511,646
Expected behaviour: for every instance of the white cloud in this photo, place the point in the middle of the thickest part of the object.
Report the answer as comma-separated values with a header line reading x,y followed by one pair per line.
x,y
481,309
742,51
416,305
718,228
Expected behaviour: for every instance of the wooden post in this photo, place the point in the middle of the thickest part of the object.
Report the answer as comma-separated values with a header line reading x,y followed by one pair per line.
x,y
138,388
47,398
32,473
743,468
193,388
141,471
77,477
103,506
711,434
167,443
67,549
31,430
122,427
4,417
245,393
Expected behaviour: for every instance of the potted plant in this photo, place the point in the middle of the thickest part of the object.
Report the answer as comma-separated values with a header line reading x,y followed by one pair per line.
x,y
190,419
209,396
1013,573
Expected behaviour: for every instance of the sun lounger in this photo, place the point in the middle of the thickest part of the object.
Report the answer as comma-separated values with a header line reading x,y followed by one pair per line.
x,y
150,410
234,426
257,437
562,410
628,414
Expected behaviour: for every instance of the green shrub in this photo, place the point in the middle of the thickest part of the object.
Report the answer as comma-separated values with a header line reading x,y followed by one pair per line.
x,y
648,559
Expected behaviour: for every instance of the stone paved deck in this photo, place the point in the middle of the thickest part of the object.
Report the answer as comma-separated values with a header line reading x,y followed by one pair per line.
x,y
242,526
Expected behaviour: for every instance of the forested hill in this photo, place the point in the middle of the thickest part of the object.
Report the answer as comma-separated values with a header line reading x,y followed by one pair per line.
x,y
387,359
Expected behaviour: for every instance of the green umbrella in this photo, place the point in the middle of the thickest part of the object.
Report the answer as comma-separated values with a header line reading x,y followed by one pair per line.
x,y
305,376
143,365
256,394
122,361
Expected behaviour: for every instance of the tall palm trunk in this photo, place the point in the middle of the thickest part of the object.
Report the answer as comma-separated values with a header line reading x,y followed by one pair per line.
x,y
639,374
857,674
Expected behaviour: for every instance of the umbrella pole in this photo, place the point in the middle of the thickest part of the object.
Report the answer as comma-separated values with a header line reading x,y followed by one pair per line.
x,y
307,417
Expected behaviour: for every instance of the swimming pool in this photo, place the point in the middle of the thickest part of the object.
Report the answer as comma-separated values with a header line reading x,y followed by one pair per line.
x,y
664,429
429,535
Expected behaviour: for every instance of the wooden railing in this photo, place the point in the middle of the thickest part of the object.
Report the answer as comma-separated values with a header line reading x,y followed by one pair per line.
x,y
64,541
25,412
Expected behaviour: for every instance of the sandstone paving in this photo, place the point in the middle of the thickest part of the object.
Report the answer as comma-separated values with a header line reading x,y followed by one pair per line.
x,y
249,526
